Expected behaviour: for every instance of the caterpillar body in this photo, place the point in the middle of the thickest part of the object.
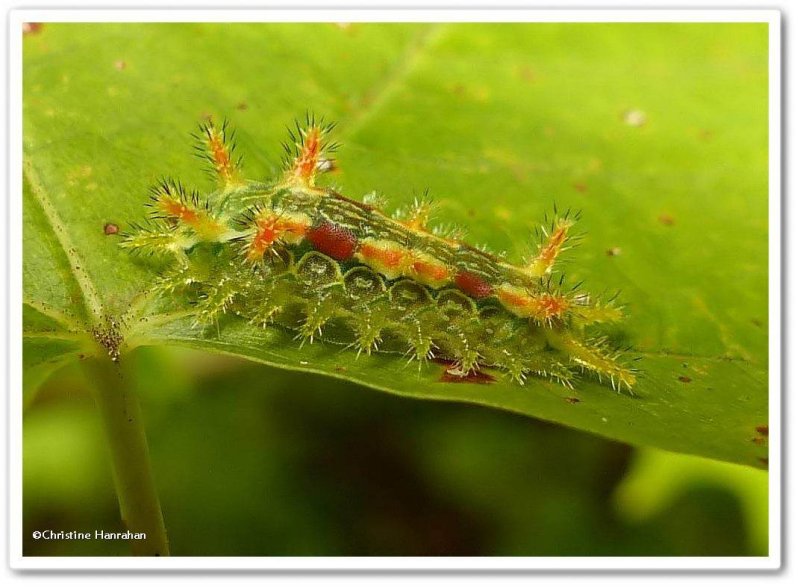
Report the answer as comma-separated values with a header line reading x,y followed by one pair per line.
x,y
304,257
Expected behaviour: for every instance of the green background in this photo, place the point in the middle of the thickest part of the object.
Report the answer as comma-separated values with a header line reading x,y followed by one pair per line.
x,y
658,132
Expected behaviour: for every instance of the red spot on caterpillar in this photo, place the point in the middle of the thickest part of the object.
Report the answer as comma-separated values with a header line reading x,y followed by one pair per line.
x,y
333,240
473,285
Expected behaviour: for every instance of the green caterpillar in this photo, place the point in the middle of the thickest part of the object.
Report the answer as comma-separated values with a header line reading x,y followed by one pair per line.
x,y
303,257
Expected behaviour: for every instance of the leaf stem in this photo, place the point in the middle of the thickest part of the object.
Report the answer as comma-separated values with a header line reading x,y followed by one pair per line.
x,y
133,478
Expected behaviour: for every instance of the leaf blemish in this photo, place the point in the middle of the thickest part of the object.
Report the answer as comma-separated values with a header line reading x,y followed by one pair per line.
x,y
684,379
666,219
450,375
110,229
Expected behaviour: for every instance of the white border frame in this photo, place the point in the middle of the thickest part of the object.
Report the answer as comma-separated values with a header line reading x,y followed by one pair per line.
x,y
20,562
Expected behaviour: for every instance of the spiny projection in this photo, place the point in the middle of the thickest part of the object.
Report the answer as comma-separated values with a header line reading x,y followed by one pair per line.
x,y
339,270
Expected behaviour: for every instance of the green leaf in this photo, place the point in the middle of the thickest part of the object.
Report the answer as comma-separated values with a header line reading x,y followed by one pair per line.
x,y
658,132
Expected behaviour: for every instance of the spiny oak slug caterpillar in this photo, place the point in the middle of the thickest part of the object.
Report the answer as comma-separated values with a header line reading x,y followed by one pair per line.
x,y
304,257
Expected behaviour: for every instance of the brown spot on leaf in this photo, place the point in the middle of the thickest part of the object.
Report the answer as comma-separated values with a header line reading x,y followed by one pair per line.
x,y
705,135
242,105
756,322
685,379
120,65
580,187
763,430
666,219
764,460
526,73
473,377
613,251
572,399
110,229
758,440
31,28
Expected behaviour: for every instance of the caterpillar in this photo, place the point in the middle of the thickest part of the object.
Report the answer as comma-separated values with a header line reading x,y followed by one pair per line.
x,y
292,254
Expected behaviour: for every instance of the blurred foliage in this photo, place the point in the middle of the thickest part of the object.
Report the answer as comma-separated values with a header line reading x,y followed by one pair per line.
x,y
316,467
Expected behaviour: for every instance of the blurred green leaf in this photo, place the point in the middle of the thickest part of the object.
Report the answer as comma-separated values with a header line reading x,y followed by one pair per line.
x,y
657,131
659,478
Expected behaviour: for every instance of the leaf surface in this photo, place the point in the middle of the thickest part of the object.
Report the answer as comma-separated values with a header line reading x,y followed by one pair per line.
x,y
657,132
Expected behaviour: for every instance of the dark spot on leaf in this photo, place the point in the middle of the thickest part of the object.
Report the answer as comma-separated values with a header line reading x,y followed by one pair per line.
x,y
705,135
580,187
572,399
613,251
473,377
756,322
666,219
459,89
340,369
242,105
120,65
758,440
110,229
685,365
526,73
31,28
762,430
764,460
685,379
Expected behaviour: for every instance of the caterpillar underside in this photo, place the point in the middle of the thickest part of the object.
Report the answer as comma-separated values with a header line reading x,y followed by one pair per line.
x,y
333,269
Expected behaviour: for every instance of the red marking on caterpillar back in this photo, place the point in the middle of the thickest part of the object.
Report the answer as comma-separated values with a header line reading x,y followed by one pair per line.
x,y
333,240
473,285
